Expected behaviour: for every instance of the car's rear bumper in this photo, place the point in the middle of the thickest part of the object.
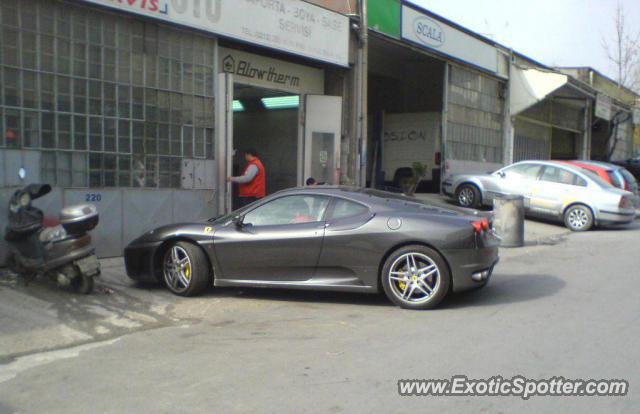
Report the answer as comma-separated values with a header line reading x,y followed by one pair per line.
x,y
465,263
138,262
616,217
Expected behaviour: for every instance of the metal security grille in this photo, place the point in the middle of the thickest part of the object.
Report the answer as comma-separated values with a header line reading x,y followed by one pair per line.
x,y
624,141
110,101
475,117
532,141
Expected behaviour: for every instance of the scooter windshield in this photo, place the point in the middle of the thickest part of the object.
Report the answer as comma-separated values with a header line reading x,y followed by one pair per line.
x,y
37,190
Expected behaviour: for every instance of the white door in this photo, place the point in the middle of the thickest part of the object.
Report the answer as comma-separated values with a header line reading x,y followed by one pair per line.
x,y
224,140
322,133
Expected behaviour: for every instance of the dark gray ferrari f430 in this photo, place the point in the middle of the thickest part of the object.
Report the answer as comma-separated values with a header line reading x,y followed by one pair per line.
x,y
328,238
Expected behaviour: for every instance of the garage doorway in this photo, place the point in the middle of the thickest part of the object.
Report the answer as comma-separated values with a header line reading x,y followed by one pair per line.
x,y
266,121
294,135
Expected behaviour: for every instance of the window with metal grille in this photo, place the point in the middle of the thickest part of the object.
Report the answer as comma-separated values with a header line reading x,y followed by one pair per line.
x,y
475,117
111,100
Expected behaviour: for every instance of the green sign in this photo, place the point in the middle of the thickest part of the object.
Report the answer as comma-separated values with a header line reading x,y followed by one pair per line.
x,y
384,16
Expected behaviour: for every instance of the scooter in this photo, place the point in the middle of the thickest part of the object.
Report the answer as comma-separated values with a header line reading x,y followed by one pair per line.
x,y
62,252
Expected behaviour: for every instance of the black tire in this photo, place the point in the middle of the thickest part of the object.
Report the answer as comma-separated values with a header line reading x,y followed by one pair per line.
x,y
440,286
578,217
196,275
468,195
83,284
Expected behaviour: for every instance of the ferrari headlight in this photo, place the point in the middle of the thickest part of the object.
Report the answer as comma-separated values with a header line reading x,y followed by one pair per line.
x,y
25,199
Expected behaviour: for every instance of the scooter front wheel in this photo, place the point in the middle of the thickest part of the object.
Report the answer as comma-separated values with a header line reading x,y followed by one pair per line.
x,y
82,284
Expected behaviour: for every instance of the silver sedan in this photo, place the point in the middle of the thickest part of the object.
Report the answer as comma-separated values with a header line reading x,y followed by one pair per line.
x,y
553,190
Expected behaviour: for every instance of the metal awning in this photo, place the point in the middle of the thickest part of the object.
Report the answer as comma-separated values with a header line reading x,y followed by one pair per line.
x,y
530,86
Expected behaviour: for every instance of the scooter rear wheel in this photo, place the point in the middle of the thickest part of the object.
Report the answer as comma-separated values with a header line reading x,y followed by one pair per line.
x,y
82,284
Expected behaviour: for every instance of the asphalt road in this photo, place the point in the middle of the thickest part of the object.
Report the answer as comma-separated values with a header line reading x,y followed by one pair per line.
x,y
569,309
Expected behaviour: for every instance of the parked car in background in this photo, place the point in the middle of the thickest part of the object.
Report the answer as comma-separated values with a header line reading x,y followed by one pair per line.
x,y
613,174
632,165
550,189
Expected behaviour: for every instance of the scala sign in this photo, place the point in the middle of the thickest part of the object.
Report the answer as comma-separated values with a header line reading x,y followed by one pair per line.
x,y
428,31
287,25
419,28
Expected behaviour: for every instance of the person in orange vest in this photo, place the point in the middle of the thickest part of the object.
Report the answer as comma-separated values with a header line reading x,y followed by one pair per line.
x,y
253,181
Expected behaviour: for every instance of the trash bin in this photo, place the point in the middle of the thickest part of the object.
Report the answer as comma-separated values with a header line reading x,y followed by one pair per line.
x,y
508,220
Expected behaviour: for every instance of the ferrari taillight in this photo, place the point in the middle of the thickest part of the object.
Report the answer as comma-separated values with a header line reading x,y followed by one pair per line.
x,y
480,225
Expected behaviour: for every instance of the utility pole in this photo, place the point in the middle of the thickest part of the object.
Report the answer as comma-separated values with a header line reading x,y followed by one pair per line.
x,y
361,71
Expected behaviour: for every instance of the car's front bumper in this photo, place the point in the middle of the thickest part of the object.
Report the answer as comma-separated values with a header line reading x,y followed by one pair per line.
x,y
465,263
447,188
139,261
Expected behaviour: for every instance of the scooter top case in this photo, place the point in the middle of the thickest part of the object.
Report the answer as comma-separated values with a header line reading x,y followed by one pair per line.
x,y
79,219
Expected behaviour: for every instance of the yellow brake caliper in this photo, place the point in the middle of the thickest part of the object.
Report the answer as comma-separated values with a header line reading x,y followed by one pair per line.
x,y
187,271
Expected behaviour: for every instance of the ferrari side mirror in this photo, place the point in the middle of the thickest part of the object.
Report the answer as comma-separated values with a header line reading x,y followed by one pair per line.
x,y
501,174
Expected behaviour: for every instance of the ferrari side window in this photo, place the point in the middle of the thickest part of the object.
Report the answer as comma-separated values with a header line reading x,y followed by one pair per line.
x,y
345,208
289,210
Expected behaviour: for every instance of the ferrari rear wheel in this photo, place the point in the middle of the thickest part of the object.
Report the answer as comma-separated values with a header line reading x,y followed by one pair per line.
x,y
185,269
416,277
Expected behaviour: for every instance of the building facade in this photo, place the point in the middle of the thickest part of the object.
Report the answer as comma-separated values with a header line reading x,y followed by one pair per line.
x,y
141,107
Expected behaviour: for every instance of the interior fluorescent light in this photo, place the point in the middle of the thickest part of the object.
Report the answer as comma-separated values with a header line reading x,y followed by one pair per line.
x,y
281,102
237,106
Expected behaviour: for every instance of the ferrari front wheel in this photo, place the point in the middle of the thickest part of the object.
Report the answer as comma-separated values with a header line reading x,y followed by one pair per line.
x,y
415,277
185,269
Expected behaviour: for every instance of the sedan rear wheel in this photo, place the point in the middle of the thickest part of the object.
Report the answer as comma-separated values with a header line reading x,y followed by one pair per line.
x,y
578,218
185,269
416,277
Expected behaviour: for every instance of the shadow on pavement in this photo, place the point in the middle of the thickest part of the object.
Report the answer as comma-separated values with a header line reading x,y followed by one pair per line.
x,y
507,289
503,289
294,295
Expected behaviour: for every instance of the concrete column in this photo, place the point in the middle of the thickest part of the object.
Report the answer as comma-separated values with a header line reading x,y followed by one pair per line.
x,y
585,153
361,78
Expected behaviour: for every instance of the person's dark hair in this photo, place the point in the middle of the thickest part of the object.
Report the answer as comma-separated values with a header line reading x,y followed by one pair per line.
x,y
250,151
311,181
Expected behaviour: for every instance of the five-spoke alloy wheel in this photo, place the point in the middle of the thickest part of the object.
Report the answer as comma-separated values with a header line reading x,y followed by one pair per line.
x,y
415,277
185,269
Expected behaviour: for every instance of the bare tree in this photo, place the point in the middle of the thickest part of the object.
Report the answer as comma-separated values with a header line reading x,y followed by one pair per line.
x,y
623,50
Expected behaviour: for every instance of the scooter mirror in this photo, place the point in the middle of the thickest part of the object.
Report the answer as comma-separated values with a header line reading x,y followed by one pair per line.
x,y
22,173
